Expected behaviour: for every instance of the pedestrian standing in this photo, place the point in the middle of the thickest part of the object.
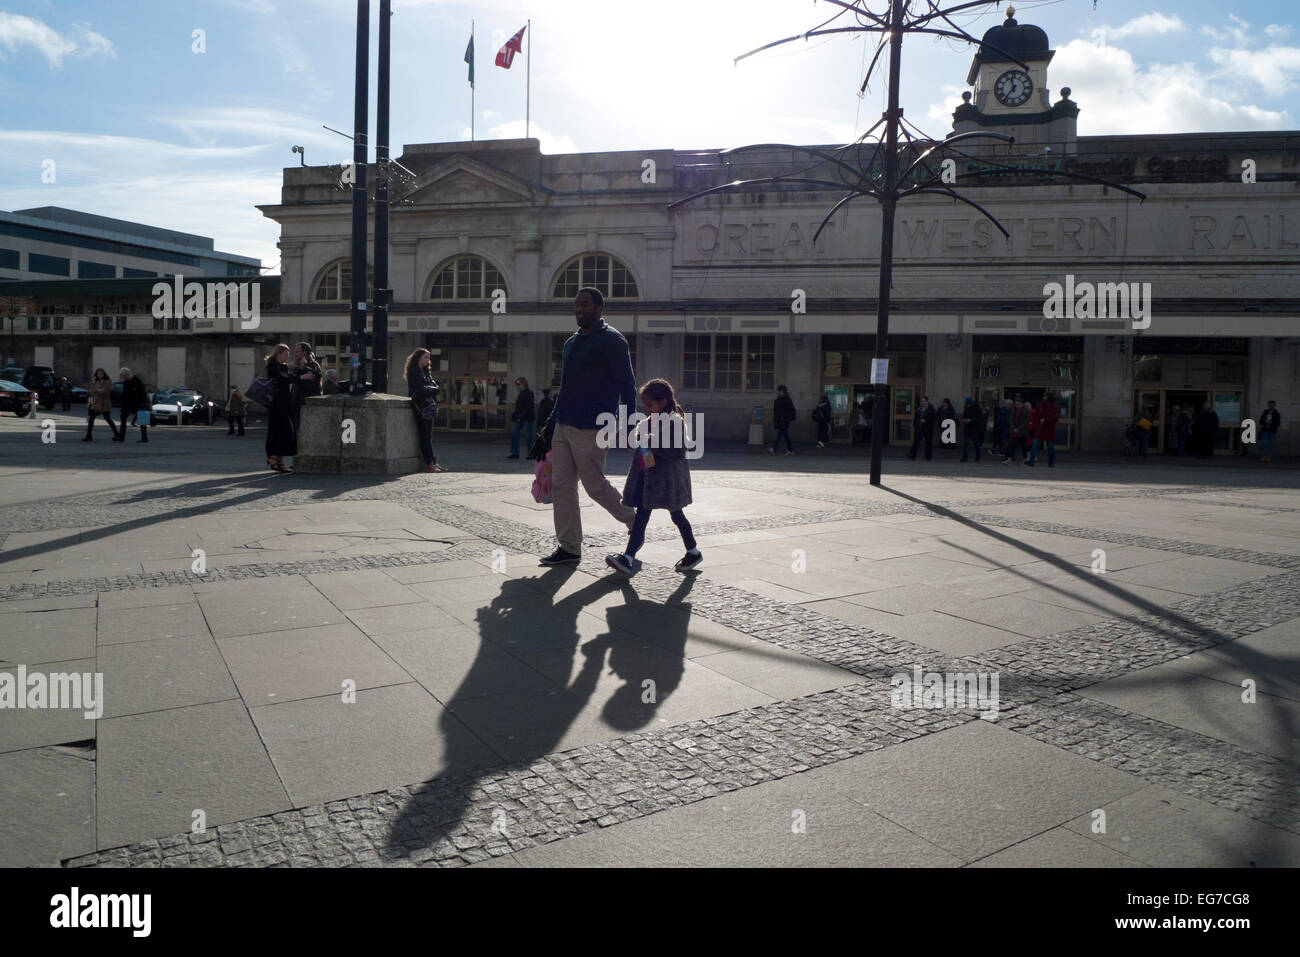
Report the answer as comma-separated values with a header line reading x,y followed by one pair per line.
x,y
1019,430
659,477
65,393
545,407
135,399
974,421
782,415
522,417
595,378
235,411
423,389
100,402
1182,429
1203,432
307,381
923,429
822,416
947,432
330,384
1268,426
281,429
1001,425
1049,413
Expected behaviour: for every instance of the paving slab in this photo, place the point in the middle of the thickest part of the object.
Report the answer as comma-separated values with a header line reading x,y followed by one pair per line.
x,y
1194,574
34,637
976,789
325,749
152,621
263,606
1269,657
57,603
1057,848
1164,828
777,672
811,819
161,673
950,634
362,589
1015,613
454,662
307,663
147,597
154,770
22,728
48,797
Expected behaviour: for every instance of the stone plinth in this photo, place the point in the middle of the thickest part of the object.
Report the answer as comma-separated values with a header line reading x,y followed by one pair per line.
x,y
382,433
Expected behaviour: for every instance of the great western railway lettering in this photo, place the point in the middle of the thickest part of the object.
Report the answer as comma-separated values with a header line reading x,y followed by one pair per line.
x,y
927,237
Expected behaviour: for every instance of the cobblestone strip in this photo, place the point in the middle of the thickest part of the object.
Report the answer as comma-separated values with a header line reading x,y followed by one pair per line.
x,y
462,819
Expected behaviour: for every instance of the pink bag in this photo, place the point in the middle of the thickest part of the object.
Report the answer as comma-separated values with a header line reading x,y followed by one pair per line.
x,y
542,480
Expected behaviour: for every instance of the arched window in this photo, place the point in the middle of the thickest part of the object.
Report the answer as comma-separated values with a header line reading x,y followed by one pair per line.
x,y
603,271
335,282
465,277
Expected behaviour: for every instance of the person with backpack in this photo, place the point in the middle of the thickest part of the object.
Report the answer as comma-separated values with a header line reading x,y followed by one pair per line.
x,y
822,416
658,478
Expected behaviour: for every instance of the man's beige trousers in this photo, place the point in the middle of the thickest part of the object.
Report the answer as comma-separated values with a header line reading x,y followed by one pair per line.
x,y
576,457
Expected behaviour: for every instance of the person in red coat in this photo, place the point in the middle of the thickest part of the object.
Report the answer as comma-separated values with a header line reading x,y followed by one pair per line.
x,y
1043,429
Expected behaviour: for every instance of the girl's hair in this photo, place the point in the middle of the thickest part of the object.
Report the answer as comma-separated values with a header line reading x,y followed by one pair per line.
x,y
279,347
100,372
661,390
412,360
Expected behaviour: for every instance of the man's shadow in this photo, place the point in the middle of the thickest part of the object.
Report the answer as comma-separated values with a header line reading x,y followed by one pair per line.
x,y
525,619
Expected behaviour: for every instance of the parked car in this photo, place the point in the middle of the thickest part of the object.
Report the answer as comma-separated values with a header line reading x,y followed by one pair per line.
x,y
37,379
178,406
79,394
15,397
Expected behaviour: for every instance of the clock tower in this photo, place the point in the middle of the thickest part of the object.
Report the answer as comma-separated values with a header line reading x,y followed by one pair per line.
x,y
1008,97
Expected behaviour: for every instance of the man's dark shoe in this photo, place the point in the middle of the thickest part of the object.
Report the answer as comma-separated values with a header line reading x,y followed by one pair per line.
x,y
561,557
621,564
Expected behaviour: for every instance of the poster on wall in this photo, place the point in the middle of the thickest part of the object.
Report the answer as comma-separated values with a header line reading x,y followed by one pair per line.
x,y
1227,406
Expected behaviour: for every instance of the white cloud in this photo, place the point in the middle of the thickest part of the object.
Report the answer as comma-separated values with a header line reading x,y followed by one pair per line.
x,y
1237,33
1277,30
1274,68
514,130
1116,95
256,127
1146,25
18,31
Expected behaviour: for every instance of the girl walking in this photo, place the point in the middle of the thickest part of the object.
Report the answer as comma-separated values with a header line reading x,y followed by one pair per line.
x,y
101,403
658,478
423,390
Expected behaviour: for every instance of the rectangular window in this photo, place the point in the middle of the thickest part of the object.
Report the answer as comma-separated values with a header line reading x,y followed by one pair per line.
x,y
94,270
121,323
697,362
49,265
760,363
94,323
58,322
8,259
31,323
157,324
728,362
173,323
45,323
129,273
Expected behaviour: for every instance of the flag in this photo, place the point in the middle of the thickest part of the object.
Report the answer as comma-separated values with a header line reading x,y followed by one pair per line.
x,y
469,58
506,55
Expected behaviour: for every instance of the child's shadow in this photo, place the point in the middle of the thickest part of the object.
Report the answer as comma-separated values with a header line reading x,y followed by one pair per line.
x,y
651,667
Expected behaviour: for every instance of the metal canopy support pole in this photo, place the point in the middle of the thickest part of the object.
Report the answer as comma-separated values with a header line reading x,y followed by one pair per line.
x,y
357,340
380,355
888,203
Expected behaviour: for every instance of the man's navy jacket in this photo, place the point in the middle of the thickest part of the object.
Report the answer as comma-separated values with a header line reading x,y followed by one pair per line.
x,y
595,376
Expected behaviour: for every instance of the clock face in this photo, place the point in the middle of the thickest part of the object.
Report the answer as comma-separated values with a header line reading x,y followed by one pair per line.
x,y
1013,88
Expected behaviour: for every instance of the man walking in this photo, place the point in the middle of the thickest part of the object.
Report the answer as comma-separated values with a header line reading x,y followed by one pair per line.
x,y
135,399
782,416
235,411
822,416
595,377
1268,425
923,429
545,407
522,416
1019,421
974,421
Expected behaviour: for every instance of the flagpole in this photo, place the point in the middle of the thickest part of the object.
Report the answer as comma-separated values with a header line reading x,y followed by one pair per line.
x,y
528,83
471,85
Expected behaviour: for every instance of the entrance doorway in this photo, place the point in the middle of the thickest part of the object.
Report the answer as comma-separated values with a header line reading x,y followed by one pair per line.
x,y
1158,406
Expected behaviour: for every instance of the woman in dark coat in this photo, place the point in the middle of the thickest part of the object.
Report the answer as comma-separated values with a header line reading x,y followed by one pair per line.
x,y
281,434
423,390
659,477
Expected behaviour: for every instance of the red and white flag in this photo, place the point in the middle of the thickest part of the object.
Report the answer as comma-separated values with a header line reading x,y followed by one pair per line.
x,y
506,55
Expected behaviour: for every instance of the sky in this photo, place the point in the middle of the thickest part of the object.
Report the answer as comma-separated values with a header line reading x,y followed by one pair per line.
x,y
147,120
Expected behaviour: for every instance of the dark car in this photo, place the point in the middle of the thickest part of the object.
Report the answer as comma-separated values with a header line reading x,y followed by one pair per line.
x,y
15,397
40,379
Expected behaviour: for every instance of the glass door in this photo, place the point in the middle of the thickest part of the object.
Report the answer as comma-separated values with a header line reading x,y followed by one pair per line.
x,y
843,418
903,411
